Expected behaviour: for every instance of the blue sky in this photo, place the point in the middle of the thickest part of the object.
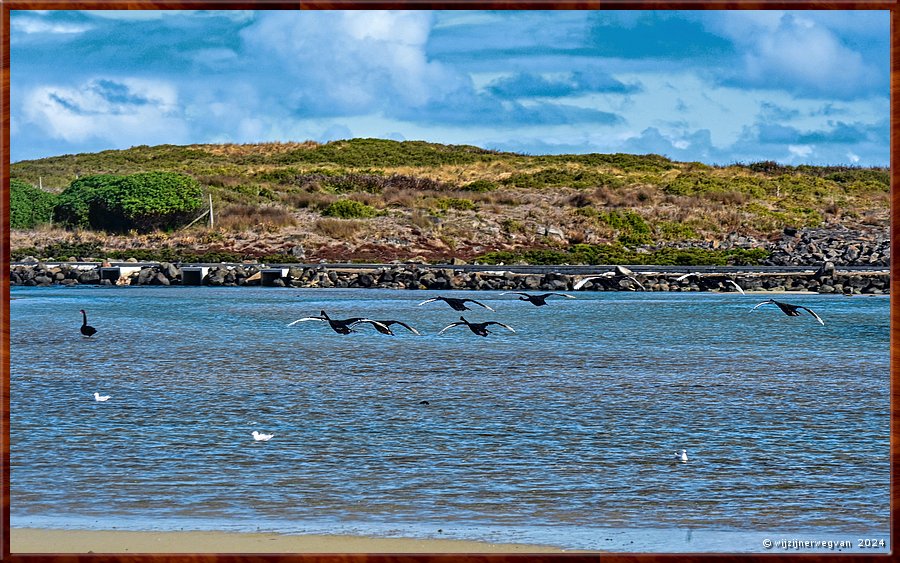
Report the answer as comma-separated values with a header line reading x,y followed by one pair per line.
x,y
711,86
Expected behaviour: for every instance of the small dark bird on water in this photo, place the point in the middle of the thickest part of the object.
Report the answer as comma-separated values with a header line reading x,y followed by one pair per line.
x,y
456,303
86,329
790,310
382,326
344,326
478,328
537,300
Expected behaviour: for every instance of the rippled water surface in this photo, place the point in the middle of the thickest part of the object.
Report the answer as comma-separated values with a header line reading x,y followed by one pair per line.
x,y
568,425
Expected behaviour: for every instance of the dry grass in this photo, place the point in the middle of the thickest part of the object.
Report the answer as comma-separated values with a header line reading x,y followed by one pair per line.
x,y
232,149
238,217
340,229
420,219
308,200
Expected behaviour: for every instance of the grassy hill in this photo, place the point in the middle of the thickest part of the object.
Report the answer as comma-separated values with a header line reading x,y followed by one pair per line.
x,y
371,199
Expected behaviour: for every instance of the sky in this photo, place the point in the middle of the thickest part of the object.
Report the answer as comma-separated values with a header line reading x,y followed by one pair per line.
x,y
719,87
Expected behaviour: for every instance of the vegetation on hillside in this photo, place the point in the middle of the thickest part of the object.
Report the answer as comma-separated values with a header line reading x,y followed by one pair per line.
x,y
29,206
442,199
143,201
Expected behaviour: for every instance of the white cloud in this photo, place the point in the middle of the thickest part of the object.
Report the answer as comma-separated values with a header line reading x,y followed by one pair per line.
x,y
353,61
125,111
29,26
800,150
793,51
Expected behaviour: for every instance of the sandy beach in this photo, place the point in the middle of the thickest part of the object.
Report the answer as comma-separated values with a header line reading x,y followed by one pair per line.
x,y
33,540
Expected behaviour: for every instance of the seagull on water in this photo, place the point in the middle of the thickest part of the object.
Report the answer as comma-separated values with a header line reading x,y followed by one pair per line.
x,y
262,437
101,398
537,300
478,328
790,310
456,303
682,457
344,326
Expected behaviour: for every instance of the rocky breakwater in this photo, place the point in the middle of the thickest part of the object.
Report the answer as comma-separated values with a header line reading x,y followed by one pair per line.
x,y
840,245
826,279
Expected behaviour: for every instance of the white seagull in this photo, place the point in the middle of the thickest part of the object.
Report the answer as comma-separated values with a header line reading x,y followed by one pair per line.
x,y
262,437
682,457
101,398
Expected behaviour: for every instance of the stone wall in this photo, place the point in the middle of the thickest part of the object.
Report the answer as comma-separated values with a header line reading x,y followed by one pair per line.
x,y
827,279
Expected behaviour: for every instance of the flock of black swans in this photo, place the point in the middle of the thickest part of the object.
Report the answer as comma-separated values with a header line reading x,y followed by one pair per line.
x,y
345,326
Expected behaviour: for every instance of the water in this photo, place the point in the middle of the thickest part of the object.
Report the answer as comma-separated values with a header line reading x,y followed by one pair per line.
x,y
563,433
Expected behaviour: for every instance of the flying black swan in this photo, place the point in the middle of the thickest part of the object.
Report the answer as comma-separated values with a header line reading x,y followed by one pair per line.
x,y
456,303
87,329
537,300
344,326
382,326
791,310
478,328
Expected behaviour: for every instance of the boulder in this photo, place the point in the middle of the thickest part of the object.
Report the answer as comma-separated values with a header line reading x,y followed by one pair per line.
x,y
89,277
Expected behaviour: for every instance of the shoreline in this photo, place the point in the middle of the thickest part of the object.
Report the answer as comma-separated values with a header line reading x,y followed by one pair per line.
x,y
39,540
827,278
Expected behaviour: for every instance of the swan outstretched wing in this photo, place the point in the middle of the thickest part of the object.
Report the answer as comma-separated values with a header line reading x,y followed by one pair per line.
x,y
477,303
383,328
451,325
307,319
507,327
763,303
563,295
640,285
739,288
429,300
401,323
686,276
811,312
580,283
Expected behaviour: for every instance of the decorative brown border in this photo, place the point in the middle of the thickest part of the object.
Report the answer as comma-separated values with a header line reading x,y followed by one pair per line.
x,y
7,5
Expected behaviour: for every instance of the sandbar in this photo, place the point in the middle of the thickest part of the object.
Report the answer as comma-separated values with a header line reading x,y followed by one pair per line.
x,y
34,540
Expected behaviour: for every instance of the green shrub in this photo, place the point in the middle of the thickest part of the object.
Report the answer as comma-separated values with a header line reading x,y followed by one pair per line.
x,y
151,200
555,177
631,227
481,186
74,205
587,211
349,209
462,204
619,254
143,201
29,206
693,183
673,230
